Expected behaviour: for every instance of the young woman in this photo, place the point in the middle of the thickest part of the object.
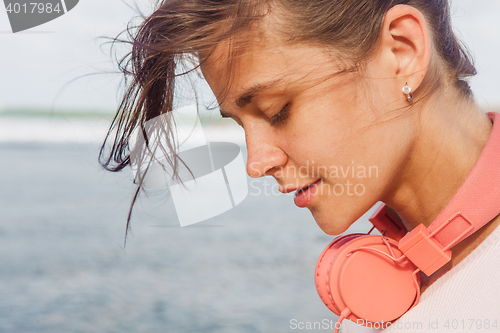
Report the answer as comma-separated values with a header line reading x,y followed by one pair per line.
x,y
319,85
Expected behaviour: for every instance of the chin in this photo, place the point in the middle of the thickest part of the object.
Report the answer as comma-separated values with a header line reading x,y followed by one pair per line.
x,y
330,225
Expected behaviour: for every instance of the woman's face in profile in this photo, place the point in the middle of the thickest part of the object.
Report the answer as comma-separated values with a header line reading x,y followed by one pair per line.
x,y
305,125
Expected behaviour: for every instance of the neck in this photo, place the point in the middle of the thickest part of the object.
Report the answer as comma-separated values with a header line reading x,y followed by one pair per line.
x,y
452,135
452,138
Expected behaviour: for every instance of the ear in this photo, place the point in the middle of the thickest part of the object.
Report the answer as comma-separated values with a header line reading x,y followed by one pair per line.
x,y
405,46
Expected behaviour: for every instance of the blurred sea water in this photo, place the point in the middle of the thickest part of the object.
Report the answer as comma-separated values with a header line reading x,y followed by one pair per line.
x,y
63,267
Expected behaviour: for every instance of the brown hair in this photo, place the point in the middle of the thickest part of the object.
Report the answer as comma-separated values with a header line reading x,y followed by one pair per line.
x,y
181,29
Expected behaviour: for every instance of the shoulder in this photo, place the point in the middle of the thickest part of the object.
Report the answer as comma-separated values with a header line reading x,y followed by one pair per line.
x,y
470,290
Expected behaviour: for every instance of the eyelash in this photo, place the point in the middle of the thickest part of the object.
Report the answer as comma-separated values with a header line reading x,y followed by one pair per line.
x,y
281,116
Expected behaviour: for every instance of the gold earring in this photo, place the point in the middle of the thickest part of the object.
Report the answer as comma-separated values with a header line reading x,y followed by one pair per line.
x,y
407,92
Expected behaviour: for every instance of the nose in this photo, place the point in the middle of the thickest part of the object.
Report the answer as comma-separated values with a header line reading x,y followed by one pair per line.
x,y
263,154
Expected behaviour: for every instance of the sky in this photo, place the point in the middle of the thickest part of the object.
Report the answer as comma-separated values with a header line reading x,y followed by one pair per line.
x,y
65,64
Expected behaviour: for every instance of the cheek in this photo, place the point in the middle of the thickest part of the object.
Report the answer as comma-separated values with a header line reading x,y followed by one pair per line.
x,y
329,139
350,131
324,122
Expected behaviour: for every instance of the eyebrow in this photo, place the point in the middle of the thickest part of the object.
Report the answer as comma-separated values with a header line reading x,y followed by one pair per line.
x,y
246,97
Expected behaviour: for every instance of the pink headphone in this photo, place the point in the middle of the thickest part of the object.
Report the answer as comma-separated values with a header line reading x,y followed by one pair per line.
x,y
372,278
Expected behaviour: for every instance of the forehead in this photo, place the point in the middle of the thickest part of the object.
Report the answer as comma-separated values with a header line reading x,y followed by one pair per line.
x,y
265,63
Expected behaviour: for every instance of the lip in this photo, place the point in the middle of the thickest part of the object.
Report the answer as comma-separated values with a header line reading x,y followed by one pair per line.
x,y
285,189
304,195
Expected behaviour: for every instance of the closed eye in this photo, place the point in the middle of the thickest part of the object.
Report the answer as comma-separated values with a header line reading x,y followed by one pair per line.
x,y
281,116
225,114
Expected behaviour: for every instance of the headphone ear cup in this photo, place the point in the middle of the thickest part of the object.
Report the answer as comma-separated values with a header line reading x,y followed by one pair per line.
x,y
323,269
363,278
